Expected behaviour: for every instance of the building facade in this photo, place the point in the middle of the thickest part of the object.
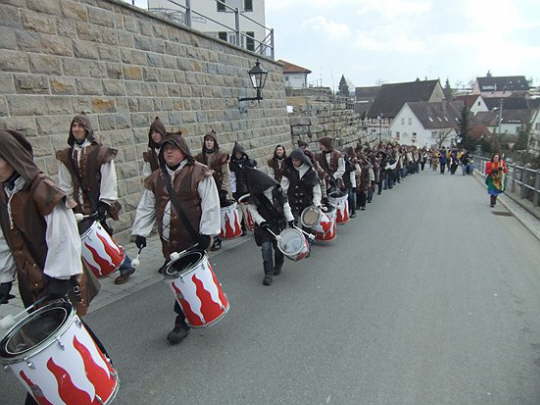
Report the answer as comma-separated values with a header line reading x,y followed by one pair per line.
x,y
295,76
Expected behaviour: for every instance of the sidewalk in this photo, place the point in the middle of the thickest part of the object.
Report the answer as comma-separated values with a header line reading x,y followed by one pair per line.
x,y
146,274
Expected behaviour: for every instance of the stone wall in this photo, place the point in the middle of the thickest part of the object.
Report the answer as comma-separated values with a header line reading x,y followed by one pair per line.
x,y
123,67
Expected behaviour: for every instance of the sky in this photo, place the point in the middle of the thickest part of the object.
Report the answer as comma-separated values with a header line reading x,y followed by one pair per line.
x,y
374,41
386,41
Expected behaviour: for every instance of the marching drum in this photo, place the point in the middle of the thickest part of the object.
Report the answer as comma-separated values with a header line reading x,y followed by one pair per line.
x,y
231,226
196,288
57,361
293,244
99,251
325,230
340,201
310,216
249,223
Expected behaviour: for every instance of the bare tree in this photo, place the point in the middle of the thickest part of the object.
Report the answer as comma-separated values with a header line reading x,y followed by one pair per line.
x,y
443,136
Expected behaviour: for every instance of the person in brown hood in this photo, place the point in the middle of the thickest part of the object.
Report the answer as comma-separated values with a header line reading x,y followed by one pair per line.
x,y
156,134
197,195
87,174
276,163
218,162
330,164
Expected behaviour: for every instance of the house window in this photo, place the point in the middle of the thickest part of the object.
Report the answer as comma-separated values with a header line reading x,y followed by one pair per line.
x,y
403,121
410,121
250,42
222,35
221,6
478,104
397,135
248,5
430,119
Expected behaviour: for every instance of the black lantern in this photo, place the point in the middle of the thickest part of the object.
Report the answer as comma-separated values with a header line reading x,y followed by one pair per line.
x,y
258,79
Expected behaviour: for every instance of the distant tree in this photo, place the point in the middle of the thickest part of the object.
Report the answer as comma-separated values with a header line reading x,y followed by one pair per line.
x,y
464,127
448,92
443,136
523,138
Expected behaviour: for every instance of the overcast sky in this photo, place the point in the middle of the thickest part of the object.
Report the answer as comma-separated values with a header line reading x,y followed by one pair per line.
x,y
372,41
398,40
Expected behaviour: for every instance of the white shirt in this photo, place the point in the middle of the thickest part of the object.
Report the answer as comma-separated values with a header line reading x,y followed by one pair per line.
x,y
108,185
258,217
63,243
147,169
210,224
341,166
302,170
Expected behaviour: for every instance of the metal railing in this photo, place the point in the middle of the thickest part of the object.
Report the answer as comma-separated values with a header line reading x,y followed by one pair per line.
x,y
521,180
183,13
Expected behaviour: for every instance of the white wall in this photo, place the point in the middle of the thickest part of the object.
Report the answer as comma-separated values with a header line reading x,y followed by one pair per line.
x,y
479,106
534,141
296,80
209,9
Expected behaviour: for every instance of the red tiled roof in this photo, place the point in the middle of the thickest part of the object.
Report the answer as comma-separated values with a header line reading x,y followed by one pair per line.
x,y
468,99
292,68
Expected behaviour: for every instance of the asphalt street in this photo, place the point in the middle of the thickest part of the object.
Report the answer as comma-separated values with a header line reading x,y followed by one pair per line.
x,y
428,297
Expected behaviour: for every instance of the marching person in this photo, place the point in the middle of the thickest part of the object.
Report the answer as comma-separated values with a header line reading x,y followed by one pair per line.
x,y
181,185
331,165
276,164
443,158
39,240
155,135
300,183
304,147
350,179
240,161
364,181
495,171
271,212
218,162
87,174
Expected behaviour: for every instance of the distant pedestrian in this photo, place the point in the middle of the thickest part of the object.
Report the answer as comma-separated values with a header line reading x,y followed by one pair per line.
x,y
442,160
496,171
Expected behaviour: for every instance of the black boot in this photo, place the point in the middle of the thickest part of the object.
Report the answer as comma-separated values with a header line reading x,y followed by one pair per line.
x,y
216,245
268,271
492,201
179,332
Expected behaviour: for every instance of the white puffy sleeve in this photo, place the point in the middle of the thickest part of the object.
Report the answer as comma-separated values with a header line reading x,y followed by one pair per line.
x,y
317,195
211,210
7,264
109,185
340,170
64,180
63,244
145,216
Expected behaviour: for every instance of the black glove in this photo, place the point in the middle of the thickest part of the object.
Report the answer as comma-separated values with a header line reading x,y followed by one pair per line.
x,y
204,241
5,296
140,241
102,209
265,225
291,224
57,288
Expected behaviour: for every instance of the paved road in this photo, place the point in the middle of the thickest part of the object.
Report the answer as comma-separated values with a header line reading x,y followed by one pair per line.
x,y
426,298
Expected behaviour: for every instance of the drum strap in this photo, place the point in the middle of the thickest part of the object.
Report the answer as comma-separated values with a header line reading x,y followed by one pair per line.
x,y
178,206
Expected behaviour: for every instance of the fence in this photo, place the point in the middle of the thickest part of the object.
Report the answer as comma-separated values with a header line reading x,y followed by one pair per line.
x,y
181,12
521,180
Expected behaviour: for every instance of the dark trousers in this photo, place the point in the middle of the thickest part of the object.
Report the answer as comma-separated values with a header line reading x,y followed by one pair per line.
x,y
443,166
271,256
362,198
493,200
379,186
370,194
422,164
351,197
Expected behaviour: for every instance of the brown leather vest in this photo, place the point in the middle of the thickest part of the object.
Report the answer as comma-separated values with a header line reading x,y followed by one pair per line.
x,y
185,186
328,169
150,157
26,238
278,170
86,178
216,161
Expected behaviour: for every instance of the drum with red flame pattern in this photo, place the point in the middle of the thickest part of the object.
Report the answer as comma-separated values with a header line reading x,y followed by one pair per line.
x,y
249,223
197,289
56,360
231,222
99,251
341,203
325,230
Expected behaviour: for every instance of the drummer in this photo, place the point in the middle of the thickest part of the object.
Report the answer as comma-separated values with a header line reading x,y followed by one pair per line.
x,y
88,175
196,190
218,162
330,164
300,183
271,212
40,241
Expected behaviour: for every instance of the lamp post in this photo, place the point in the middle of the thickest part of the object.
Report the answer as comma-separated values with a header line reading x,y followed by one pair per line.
x,y
380,127
257,77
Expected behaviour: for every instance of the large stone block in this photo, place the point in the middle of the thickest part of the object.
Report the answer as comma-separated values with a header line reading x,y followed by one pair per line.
x,y
7,86
74,10
132,73
88,86
108,53
44,6
110,36
8,39
45,64
13,61
56,45
85,50
62,85
24,125
31,84
66,28
39,22
9,17
126,39
4,111
114,71
59,105
89,32
26,105
102,17
50,125
134,88
114,88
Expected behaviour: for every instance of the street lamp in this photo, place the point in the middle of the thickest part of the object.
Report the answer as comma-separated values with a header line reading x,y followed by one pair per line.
x,y
257,77
379,118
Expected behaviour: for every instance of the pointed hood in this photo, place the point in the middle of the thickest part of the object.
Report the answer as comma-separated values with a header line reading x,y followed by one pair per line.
x,y
298,154
179,141
302,143
327,142
82,120
238,148
17,151
157,126
210,135
258,182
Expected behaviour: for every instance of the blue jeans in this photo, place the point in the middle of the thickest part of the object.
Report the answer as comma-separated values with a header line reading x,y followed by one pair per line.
x,y
126,265
271,255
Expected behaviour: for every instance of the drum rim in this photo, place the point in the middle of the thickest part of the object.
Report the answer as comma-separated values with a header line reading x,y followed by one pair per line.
x,y
169,276
241,199
94,225
313,208
33,351
296,231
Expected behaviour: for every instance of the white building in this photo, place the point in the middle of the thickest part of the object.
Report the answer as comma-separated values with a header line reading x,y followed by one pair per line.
x,y
252,20
475,103
426,124
295,76
501,86
534,141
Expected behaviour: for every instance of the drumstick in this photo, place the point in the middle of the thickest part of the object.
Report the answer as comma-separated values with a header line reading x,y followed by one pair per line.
x,y
9,320
135,262
273,234
309,235
81,217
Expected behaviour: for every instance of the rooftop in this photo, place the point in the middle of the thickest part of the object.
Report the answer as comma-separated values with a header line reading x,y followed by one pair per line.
x,y
502,83
289,67
436,115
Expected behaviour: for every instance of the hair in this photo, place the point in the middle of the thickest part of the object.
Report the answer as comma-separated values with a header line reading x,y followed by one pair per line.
x,y
495,154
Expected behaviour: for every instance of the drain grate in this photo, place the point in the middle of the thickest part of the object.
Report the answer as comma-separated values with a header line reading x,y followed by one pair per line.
x,y
502,213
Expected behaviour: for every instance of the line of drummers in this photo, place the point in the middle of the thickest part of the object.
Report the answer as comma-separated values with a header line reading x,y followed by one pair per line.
x,y
56,241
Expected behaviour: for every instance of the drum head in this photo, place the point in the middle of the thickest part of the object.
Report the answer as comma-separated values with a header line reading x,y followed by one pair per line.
x,y
310,216
292,241
337,194
184,263
35,329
